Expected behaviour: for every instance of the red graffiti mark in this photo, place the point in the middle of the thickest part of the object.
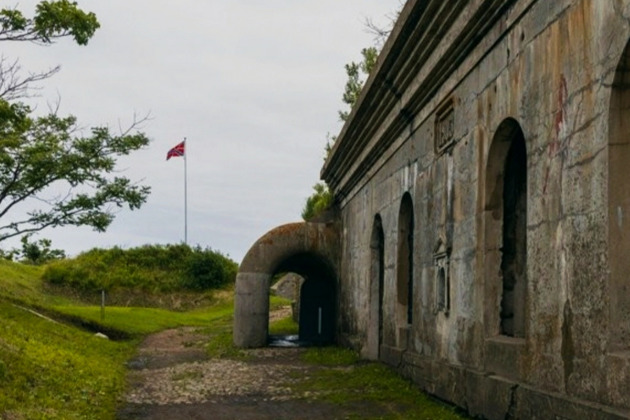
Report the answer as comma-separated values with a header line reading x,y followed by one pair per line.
x,y
555,146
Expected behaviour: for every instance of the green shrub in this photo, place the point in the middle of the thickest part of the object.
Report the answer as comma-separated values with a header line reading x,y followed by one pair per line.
x,y
150,268
205,270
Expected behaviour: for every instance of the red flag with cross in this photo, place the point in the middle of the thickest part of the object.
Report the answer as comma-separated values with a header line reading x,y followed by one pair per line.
x,y
177,151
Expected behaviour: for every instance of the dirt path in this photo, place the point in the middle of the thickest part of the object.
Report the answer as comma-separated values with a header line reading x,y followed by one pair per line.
x,y
172,378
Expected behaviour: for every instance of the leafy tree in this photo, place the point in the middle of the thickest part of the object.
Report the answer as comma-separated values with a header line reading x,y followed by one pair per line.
x,y
10,254
357,74
39,252
318,202
36,253
322,198
330,140
42,154
53,20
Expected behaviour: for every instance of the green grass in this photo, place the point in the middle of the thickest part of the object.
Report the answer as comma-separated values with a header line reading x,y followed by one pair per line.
x,y
348,381
54,371
330,356
277,302
141,321
221,340
285,326
351,381
221,346
22,283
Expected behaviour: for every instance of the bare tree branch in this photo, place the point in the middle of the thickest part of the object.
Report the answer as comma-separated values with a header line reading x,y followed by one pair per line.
x,y
13,85
381,33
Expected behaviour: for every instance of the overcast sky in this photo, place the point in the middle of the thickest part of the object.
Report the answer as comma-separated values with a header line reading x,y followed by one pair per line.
x,y
254,86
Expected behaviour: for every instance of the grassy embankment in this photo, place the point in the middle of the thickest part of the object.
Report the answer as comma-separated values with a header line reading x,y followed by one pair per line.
x,y
52,366
49,369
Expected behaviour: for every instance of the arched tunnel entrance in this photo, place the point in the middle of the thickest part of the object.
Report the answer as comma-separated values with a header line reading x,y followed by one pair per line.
x,y
316,300
307,249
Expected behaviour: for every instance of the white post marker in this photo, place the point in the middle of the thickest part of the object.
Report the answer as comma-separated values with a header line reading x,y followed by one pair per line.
x,y
102,304
319,321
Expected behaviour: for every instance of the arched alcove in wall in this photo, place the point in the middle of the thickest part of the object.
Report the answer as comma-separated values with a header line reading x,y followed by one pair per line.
x,y
619,206
307,249
404,269
377,287
506,229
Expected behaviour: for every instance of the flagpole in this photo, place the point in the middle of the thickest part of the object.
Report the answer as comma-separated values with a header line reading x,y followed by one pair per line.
x,y
185,194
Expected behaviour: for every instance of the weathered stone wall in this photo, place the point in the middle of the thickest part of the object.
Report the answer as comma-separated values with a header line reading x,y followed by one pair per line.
x,y
288,286
543,68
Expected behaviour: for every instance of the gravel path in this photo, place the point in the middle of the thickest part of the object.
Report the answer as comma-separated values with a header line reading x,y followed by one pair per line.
x,y
210,380
172,378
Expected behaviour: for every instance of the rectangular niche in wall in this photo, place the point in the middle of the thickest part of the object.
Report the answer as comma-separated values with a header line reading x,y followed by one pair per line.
x,y
444,127
442,282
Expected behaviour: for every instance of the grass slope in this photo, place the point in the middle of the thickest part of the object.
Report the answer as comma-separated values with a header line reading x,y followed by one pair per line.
x,y
22,283
50,370
54,370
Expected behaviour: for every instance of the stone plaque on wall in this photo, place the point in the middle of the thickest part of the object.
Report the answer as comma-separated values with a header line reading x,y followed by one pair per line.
x,y
444,127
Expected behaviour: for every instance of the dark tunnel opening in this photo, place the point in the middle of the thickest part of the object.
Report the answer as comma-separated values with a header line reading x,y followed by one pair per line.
x,y
315,306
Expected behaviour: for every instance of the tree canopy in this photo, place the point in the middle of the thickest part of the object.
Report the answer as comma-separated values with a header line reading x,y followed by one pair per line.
x,y
65,176
322,198
52,20
35,253
357,74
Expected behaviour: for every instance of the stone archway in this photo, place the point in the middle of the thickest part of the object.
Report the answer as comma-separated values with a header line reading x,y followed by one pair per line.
x,y
308,249
377,289
505,219
619,206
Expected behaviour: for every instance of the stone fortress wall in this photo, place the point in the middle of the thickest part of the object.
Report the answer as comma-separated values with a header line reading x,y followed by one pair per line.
x,y
480,240
483,185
